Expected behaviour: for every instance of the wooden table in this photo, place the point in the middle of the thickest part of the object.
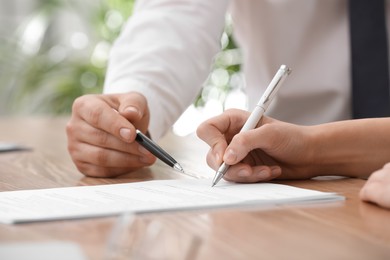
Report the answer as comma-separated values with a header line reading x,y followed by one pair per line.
x,y
349,229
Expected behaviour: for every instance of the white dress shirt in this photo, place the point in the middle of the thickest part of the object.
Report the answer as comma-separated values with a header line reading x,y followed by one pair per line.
x,y
166,49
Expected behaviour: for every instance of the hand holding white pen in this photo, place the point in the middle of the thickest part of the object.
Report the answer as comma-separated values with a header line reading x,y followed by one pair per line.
x,y
258,112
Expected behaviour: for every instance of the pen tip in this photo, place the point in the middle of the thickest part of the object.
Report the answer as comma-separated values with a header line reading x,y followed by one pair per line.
x,y
178,167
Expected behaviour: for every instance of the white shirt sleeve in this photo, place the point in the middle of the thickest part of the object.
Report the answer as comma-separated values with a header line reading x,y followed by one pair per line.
x,y
165,52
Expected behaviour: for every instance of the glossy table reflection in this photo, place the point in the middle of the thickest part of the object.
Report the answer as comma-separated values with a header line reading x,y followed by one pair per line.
x,y
341,230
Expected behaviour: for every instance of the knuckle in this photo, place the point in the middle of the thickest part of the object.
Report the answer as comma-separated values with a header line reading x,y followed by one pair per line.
x,y
101,137
101,157
201,130
71,149
94,116
80,103
269,128
90,109
70,128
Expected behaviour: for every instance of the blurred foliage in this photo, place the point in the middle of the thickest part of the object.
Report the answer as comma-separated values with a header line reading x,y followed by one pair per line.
x,y
225,76
41,72
43,69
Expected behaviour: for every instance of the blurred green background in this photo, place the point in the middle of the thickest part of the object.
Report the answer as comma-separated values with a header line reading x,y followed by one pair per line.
x,y
59,50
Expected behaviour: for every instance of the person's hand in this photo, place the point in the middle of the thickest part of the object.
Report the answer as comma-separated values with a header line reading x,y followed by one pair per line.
x,y
101,134
377,187
274,149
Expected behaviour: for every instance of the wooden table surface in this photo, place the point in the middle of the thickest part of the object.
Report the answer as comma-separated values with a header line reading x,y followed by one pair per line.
x,y
348,229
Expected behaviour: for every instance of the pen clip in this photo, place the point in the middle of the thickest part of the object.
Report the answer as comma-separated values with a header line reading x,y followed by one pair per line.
x,y
273,86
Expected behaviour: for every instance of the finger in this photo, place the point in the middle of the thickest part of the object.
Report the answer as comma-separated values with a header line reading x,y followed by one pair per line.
x,y
240,146
246,174
378,176
262,138
376,192
110,158
93,136
217,131
92,170
213,160
133,106
376,189
370,186
100,113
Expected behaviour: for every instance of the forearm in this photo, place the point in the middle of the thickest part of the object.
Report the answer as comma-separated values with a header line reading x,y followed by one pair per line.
x,y
353,148
165,52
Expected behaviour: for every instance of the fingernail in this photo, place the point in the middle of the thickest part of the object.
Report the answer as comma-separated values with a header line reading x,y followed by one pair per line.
x,y
243,173
263,174
125,133
275,172
132,109
230,156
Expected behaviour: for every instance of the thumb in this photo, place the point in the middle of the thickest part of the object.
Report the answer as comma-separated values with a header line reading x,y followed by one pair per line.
x,y
244,142
133,106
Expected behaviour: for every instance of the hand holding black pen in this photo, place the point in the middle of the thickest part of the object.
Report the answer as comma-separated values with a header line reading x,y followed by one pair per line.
x,y
157,151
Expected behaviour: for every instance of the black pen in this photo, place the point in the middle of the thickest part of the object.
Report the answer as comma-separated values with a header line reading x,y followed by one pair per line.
x,y
157,151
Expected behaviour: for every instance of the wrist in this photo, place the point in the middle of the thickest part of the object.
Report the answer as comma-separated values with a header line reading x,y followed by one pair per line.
x,y
314,152
320,161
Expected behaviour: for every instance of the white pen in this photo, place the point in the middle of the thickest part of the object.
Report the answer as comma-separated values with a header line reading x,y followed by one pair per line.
x,y
258,112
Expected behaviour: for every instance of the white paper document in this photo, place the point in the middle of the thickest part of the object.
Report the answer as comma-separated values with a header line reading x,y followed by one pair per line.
x,y
60,250
150,196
